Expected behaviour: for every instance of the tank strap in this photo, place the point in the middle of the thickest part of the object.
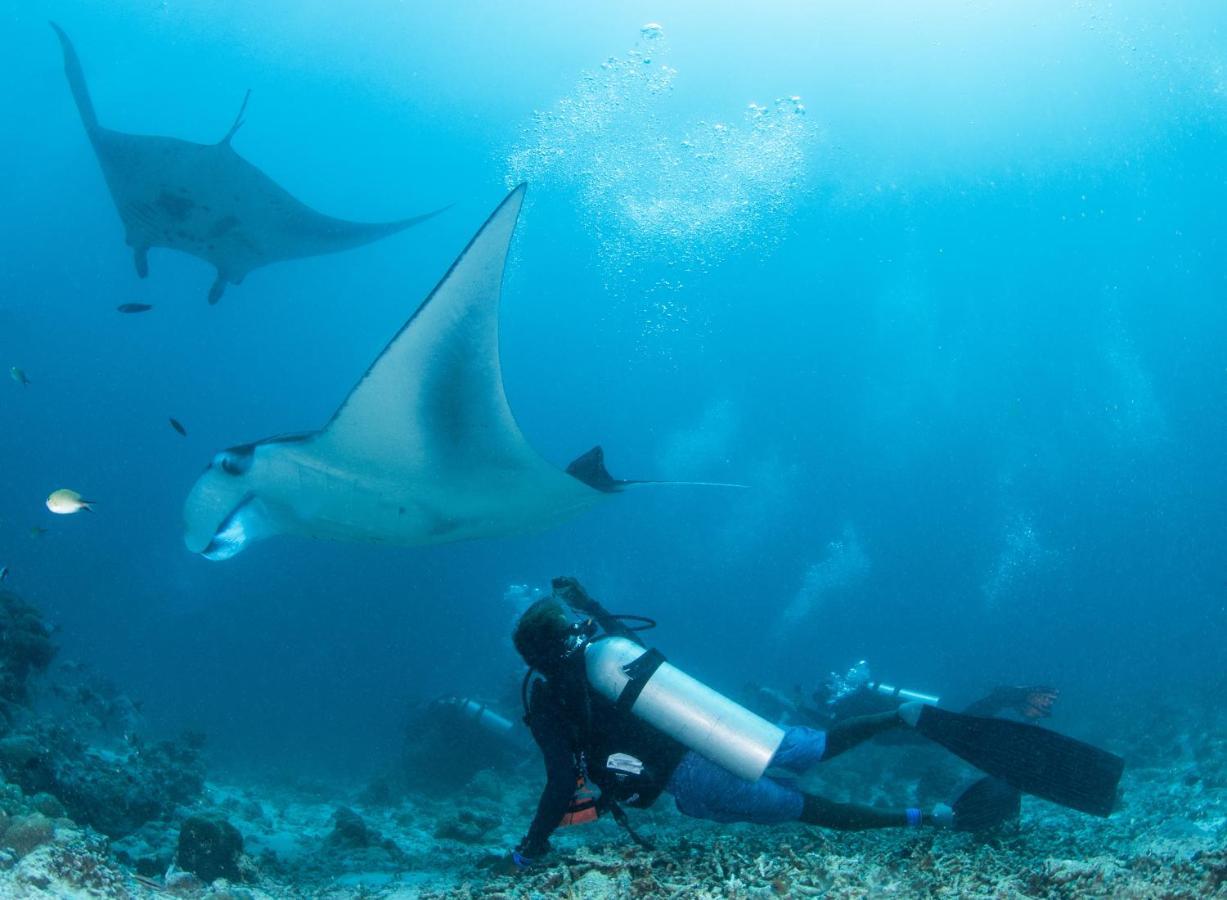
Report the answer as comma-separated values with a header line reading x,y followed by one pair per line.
x,y
619,816
639,672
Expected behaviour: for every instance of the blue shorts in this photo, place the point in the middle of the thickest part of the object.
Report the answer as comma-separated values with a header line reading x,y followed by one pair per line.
x,y
703,790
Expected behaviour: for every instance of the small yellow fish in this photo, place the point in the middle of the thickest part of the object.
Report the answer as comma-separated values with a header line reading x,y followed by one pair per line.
x,y
18,376
65,502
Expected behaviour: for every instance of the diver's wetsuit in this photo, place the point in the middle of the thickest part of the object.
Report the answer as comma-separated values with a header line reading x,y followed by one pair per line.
x,y
577,729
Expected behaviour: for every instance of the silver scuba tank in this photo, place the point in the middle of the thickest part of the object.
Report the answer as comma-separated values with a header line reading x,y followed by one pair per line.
x,y
479,713
687,710
889,690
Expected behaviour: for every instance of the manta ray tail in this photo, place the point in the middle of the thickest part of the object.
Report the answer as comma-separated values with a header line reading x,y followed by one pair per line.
x,y
590,469
238,120
76,81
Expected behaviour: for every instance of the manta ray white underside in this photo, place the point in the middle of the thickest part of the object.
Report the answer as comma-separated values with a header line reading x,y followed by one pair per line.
x,y
424,450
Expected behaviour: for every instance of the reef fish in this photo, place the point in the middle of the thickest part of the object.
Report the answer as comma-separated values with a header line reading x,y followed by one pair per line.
x,y
424,450
65,502
178,426
206,200
18,376
134,307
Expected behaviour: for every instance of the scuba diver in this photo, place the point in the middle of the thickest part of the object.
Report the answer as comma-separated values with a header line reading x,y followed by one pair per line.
x,y
609,712
451,739
856,693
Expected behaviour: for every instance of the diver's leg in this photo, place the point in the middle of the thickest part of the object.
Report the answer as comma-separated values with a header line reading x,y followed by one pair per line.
x,y
801,749
850,732
855,817
703,790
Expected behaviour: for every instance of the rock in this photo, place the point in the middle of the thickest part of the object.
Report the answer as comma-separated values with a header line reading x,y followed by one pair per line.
x,y
25,646
20,754
349,830
116,798
487,785
182,883
26,833
210,847
48,805
11,799
466,827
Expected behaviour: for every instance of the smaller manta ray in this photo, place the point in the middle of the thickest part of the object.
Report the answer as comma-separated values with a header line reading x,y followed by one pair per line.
x,y
206,200
424,450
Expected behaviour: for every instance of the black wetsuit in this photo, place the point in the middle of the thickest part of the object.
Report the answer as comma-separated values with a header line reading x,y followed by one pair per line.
x,y
577,731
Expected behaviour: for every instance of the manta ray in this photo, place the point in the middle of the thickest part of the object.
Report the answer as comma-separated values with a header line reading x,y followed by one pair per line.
x,y
206,200
424,450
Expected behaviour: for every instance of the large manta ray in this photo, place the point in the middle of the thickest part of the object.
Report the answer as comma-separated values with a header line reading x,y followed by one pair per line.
x,y
206,200
424,450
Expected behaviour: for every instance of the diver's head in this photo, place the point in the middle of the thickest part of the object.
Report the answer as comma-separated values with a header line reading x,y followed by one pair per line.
x,y
546,635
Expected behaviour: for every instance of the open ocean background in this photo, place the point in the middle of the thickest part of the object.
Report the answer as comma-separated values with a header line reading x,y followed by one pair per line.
x,y
950,299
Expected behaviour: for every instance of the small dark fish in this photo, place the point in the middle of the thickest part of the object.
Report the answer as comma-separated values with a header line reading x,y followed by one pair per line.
x,y
37,531
19,376
178,426
4,572
134,307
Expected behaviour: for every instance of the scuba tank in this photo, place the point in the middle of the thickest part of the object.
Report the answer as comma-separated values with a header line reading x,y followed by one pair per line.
x,y
478,713
840,687
687,710
888,690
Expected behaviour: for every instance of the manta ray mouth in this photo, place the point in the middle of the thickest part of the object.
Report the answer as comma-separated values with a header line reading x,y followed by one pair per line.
x,y
237,530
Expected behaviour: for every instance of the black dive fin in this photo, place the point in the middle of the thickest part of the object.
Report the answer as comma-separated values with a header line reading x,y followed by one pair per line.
x,y
1030,758
590,469
986,804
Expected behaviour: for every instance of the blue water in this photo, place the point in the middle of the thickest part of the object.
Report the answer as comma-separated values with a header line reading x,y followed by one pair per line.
x,y
955,314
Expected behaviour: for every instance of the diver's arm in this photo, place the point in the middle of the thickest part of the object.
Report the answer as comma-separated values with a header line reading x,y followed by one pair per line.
x,y
551,734
1029,701
571,592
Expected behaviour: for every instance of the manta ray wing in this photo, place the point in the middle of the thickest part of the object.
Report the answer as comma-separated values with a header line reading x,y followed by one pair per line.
x,y
434,399
206,200
424,450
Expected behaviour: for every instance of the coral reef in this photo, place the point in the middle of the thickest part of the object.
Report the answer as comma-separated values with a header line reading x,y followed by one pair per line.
x,y
86,812
25,647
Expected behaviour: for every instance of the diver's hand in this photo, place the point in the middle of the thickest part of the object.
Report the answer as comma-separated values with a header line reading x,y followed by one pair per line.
x,y
507,863
572,593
